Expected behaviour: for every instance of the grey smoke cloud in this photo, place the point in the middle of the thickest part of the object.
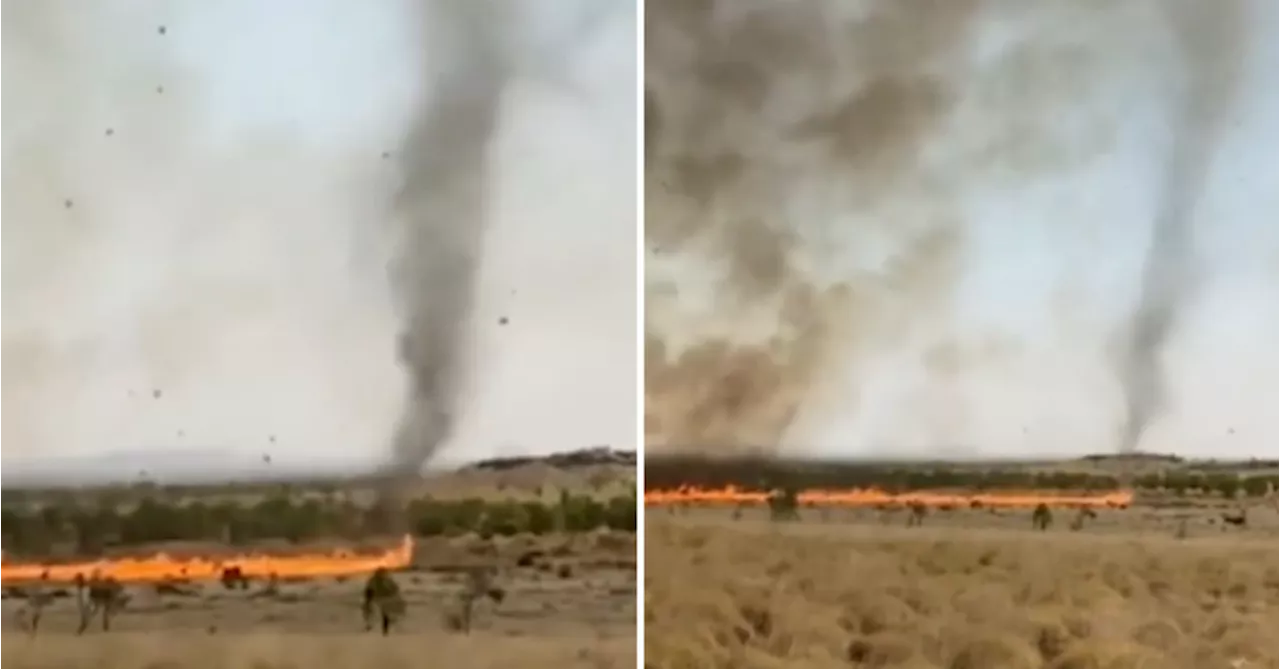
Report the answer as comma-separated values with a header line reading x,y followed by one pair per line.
x,y
919,229
1211,40
228,241
442,204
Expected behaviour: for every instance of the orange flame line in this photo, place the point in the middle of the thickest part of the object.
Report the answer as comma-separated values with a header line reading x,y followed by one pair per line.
x,y
162,567
872,497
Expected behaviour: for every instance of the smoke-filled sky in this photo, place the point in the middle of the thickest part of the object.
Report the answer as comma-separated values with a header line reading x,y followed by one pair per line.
x,y
197,227
905,228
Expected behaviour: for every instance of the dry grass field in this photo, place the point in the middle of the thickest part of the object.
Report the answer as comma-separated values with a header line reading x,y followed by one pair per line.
x,y
568,601
263,650
969,590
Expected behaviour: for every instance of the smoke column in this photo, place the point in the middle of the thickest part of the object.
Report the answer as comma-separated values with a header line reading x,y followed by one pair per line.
x,y
915,228
474,47
1211,37
443,211
204,201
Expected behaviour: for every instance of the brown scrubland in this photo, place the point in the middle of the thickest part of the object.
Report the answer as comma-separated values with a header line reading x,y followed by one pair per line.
x,y
735,589
1183,576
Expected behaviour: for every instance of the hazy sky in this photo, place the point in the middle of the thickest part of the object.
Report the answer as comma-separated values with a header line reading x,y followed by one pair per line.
x,y
971,296
196,235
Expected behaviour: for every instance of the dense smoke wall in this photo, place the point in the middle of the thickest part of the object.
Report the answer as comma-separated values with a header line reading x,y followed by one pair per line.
x,y
203,203
921,229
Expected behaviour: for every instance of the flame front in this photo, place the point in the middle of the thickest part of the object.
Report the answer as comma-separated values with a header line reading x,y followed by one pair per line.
x,y
162,567
873,497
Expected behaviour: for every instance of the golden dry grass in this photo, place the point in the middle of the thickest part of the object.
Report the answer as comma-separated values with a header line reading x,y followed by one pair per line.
x,y
311,651
757,594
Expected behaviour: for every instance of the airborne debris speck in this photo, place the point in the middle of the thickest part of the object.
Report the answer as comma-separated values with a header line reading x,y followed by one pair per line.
x,y
156,393
162,30
502,321
68,204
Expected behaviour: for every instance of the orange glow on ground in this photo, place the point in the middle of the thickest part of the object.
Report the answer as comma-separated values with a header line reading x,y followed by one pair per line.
x,y
161,567
872,497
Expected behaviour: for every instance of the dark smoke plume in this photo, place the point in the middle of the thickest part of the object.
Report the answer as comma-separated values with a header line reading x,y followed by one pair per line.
x,y
443,214
1211,39
822,175
746,105
476,48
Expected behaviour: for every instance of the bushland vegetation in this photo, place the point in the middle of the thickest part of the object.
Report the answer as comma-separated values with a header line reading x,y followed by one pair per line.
x,y
89,529
1254,479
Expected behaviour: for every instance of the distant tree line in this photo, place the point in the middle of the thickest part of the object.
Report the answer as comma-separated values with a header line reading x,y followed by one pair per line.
x,y
90,530
668,473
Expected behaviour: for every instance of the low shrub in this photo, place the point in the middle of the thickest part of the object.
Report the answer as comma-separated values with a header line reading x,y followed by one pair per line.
x,y
38,531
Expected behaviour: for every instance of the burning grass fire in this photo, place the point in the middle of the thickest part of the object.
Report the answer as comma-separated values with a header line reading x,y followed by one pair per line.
x,y
162,567
872,497
673,481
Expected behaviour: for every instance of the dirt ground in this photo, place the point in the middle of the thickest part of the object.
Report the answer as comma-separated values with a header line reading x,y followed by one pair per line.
x,y
267,650
968,590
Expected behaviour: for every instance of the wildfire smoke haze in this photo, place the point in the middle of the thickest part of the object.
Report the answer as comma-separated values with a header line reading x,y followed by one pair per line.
x,y
964,229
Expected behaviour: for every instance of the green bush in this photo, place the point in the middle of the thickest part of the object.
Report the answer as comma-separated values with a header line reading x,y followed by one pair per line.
x,y
505,519
621,513
542,520
427,518
36,530
580,513
1258,485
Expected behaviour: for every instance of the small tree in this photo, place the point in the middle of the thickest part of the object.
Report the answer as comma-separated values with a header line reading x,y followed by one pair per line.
x,y
541,519
1084,514
504,519
621,513
784,505
916,512
1042,517
479,585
